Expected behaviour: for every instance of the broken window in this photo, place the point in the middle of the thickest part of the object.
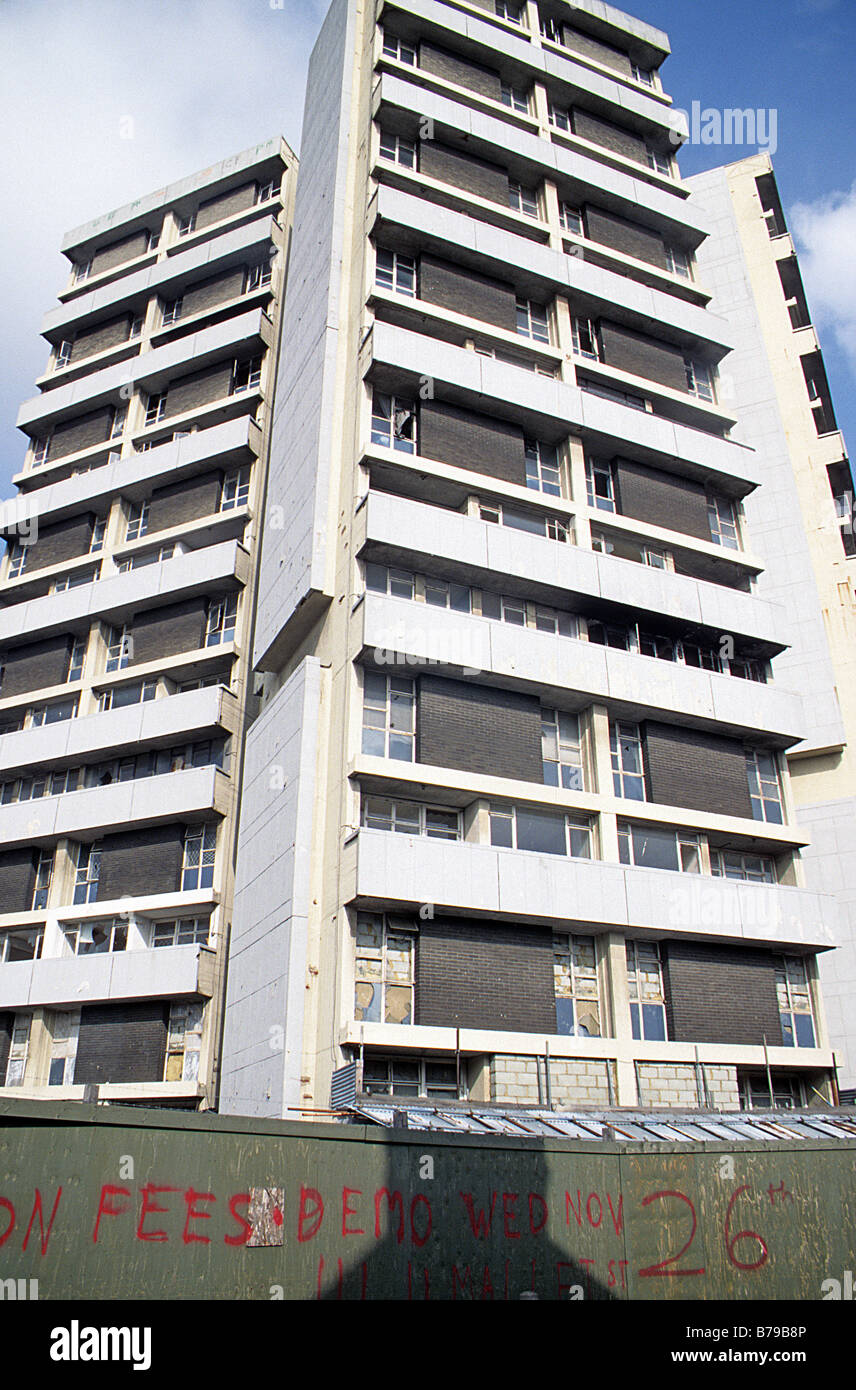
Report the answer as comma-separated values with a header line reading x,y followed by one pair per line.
x,y
393,423
184,1042
794,996
645,985
384,975
576,986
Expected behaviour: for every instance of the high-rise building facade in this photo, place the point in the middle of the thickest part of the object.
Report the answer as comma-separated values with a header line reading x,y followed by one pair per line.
x,y
127,607
802,519
517,823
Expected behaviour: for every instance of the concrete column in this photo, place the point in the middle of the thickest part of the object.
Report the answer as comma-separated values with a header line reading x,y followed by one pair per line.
x,y
618,1003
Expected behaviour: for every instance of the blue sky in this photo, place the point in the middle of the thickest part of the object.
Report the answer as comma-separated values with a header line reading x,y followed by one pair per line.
x,y
201,79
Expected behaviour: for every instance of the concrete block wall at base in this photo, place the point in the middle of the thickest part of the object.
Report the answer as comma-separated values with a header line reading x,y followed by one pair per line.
x,y
674,1087
574,1081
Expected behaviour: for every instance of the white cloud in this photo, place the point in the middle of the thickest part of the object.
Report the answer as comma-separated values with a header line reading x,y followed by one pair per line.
x,y
826,231
193,80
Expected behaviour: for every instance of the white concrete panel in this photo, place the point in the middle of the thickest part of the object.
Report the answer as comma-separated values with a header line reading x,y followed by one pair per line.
x,y
165,972
101,809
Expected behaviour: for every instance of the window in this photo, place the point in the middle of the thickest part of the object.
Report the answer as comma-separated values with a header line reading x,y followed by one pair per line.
x,y
155,407
186,223
186,931
394,423
403,1076
600,485
138,522
542,468
17,559
389,710
398,150
385,957
645,984
40,450
655,847
200,842
609,393
18,1050
118,424
522,199
585,339
184,1042
222,620
552,620
440,593
746,669
397,48
63,354
755,1092
383,579
151,557
576,986
235,490
515,97
678,262
257,276
21,945
659,162
699,379
119,696
136,328
41,887
119,649
395,272
551,29
723,522
53,714
509,12
82,270
643,75
542,832
625,548
625,742
266,191
532,321
702,657
153,241
62,782
97,938
571,219
96,540
75,580
172,312
765,789
411,818
551,527
653,644
560,117
76,658
794,995
561,750
246,375
65,1032
749,868
87,874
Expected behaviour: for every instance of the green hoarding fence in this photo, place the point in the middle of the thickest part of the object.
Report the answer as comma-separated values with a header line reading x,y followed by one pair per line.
x,y
110,1202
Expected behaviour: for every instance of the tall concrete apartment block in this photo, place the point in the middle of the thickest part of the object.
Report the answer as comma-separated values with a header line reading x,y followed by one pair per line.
x,y
802,520
517,823
127,606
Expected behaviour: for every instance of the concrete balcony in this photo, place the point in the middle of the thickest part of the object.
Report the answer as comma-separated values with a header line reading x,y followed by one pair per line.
x,y
403,872
565,575
152,370
167,972
166,277
223,566
486,41
415,635
539,403
193,714
494,251
227,446
665,205
196,793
